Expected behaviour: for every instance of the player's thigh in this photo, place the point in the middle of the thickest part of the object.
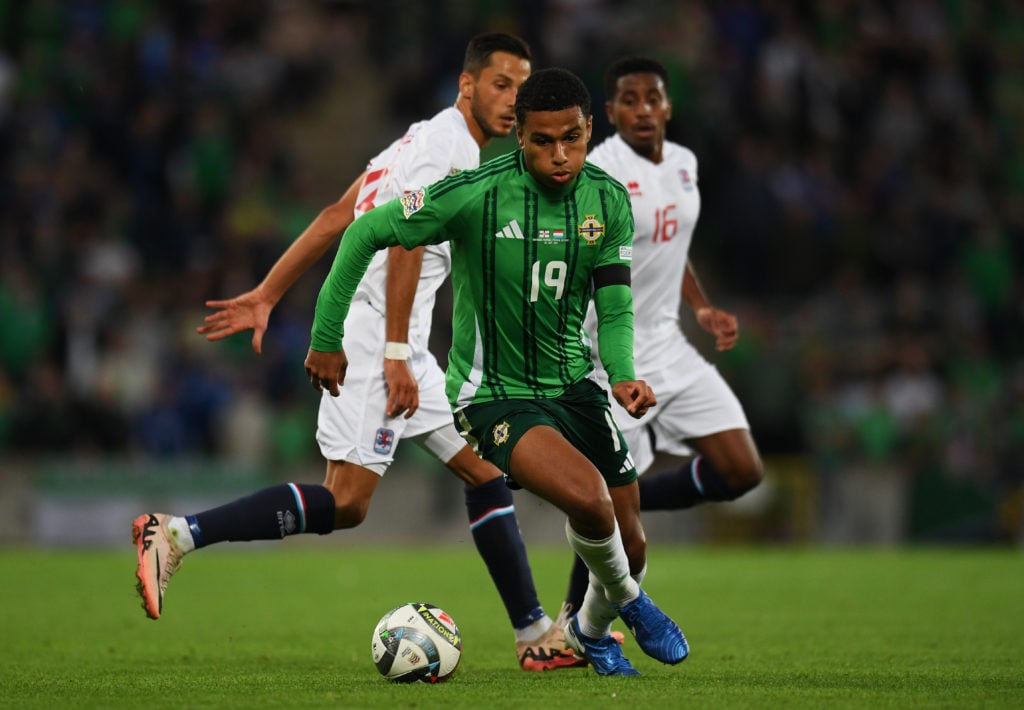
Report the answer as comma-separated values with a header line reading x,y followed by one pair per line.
x,y
432,426
706,406
586,420
544,462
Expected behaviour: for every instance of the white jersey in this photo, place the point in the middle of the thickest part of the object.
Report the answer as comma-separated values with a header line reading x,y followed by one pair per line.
x,y
693,398
354,426
666,204
429,150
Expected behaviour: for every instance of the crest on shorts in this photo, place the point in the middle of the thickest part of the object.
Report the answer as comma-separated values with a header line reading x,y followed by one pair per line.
x,y
383,441
501,433
591,230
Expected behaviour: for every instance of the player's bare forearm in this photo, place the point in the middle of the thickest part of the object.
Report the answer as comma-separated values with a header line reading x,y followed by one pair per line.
x,y
402,279
719,323
251,310
692,290
635,396
326,370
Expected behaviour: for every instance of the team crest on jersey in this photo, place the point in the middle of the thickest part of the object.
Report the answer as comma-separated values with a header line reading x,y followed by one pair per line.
x,y
412,202
501,433
684,175
383,441
591,230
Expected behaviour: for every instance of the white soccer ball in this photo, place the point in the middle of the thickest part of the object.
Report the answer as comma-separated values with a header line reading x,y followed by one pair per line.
x,y
416,643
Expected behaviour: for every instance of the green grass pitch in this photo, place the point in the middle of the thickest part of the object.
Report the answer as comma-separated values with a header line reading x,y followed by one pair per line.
x,y
289,625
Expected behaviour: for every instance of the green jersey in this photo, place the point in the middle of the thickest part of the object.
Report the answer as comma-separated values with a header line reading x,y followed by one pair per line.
x,y
525,262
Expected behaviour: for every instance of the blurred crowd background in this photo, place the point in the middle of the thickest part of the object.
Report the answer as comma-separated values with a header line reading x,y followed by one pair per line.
x,y
862,174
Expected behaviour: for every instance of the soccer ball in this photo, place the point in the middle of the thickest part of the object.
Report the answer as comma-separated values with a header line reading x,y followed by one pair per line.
x,y
416,643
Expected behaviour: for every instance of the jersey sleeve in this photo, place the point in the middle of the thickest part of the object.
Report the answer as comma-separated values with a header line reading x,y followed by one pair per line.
x,y
421,217
411,221
613,299
617,245
364,238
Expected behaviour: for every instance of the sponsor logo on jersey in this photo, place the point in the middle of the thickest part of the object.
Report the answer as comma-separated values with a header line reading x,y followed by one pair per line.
x,y
633,187
510,231
383,441
412,202
684,175
501,433
591,230
626,253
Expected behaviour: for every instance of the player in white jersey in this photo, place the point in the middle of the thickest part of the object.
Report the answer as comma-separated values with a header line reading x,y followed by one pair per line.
x,y
698,415
394,375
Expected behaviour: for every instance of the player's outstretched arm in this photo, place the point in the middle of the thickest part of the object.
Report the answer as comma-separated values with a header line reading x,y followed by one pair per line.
x,y
251,310
402,279
635,396
721,324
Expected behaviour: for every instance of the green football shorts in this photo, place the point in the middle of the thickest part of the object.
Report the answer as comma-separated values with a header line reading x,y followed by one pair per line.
x,y
581,414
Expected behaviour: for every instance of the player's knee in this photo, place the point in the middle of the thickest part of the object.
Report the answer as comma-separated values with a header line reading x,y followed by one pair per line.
x,y
476,474
349,509
349,512
744,477
593,513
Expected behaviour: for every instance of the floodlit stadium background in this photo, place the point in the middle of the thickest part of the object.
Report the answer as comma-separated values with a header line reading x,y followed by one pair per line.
x,y
862,172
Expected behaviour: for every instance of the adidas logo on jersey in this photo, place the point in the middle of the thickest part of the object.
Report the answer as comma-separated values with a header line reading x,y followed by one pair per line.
x,y
510,231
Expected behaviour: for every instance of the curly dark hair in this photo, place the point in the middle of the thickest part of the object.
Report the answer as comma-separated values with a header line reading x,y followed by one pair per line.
x,y
551,90
631,65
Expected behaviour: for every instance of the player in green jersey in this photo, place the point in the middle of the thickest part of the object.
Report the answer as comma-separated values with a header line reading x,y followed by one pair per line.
x,y
535,235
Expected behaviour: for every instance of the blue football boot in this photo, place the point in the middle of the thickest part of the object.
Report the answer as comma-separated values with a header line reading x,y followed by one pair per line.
x,y
657,634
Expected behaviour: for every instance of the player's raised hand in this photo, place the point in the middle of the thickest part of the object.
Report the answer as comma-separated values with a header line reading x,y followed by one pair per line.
x,y
403,390
636,396
326,370
250,310
720,324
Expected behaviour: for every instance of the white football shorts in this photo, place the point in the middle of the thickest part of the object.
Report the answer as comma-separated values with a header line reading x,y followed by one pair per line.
x,y
699,404
354,427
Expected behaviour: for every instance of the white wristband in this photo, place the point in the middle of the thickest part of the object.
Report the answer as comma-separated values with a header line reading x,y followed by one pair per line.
x,y
397,351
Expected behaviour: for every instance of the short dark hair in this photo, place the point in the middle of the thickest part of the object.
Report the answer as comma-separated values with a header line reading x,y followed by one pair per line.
x,y
551,90
481,47
631,65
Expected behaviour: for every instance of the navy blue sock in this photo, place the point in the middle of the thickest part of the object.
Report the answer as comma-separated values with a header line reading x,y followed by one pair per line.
x,y
492,520
269,514
579,580
692,483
